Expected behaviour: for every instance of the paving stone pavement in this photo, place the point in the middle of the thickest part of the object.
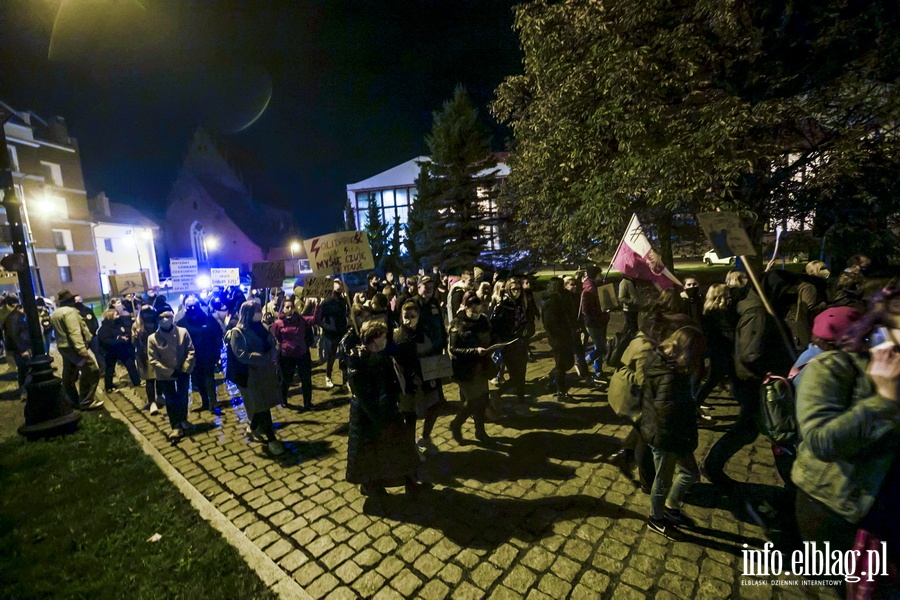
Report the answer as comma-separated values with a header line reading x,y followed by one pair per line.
x,y
537,516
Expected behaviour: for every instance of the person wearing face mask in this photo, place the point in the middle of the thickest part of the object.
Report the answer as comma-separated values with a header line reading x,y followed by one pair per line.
x,y
334,323
293,333
206,335
420,398
220,313
509,323
691,299
470,336
170,353
115,344
379,452
669,426
145,325
256,349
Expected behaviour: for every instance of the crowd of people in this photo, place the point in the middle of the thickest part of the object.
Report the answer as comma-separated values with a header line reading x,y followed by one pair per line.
x,y
398,343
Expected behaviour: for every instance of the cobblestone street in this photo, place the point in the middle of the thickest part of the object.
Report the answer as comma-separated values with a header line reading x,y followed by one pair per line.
x,y
537,516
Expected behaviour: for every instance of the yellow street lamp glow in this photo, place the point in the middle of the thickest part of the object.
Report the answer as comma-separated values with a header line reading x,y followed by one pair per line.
x,y
212,243
295,246
46,206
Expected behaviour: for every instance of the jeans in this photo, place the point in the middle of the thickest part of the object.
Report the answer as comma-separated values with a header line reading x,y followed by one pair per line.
x,y
743,432
598,337
302,365
203,381
82,370
670,487
176,392
328,350
261,422
124,356
474,394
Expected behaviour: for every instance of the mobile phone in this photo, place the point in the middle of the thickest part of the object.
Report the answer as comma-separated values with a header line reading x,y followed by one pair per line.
x,y
880,336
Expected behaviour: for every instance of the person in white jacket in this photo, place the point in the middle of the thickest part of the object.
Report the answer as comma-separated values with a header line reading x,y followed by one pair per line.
x,y
171,359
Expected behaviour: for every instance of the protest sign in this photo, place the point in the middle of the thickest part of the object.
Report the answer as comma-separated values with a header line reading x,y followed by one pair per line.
x,y
127,283
184,274
224,277
268,274
337,253
9,278
317,287
609,300
726,234
436,367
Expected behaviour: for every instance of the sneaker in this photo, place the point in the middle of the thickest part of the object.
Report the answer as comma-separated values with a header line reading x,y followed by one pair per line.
x,y
328,383
703,415
91,405
187,425
661,527
154,408
254,435
176,434
110,390
276,448
495,382
678,518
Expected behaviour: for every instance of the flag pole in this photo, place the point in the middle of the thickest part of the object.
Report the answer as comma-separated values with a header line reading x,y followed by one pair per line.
x,y
619,247
792,352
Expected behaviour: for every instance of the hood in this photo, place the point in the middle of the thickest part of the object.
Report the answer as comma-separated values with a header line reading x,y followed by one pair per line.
x,y
750,301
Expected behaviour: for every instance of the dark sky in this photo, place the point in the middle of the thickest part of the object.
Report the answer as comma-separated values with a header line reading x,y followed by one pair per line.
x,y
353,84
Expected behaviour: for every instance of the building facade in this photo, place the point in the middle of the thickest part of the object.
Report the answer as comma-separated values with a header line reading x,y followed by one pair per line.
x,y
394,191
46,170
124,239
213,216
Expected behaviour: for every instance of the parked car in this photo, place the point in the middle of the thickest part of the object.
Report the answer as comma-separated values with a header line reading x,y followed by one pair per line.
x,y
711,258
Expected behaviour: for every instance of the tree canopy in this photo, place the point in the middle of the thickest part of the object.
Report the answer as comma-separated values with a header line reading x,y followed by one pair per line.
x,y
774,109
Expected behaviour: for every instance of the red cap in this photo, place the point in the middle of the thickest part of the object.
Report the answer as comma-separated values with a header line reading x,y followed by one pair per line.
x,y
832,323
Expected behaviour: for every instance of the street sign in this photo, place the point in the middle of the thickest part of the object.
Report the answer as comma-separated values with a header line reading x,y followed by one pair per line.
x,y
225,277
127,283
343,252
184,274
726,234
268,274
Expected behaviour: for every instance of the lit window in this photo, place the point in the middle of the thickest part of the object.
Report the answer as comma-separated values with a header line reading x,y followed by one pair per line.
x,y
52,173
65,274
388,197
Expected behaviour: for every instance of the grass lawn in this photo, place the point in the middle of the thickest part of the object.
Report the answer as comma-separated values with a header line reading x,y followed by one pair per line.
x,y
75,514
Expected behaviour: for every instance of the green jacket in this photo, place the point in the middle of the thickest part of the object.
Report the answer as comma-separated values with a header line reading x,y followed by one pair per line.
x,y
848,434
71,330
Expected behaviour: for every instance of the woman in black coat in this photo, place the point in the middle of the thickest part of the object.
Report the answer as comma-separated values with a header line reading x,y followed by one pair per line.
x,y
668,424
557,320
379,452
115,344
470,337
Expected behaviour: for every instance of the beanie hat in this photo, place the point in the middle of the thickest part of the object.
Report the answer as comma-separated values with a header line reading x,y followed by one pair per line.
x,y
832,323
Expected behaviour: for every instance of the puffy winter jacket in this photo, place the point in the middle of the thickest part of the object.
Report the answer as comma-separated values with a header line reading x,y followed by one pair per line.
x,y
668,414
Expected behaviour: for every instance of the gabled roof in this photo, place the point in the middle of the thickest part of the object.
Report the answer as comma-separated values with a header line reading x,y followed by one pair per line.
x,y
123,214
405,174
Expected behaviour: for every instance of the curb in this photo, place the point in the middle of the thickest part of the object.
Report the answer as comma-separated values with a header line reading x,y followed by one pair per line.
x,y
268,571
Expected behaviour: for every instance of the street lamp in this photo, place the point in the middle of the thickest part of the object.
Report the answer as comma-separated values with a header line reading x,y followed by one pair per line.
x,y
295,247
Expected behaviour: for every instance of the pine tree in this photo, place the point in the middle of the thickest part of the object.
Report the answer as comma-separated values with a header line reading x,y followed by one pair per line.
x,y
379,233
393,262
349,217
461,178
422,246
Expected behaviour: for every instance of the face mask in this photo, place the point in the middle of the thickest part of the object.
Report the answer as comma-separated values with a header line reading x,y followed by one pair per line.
x,y
692,293
257,318
165,324
515,293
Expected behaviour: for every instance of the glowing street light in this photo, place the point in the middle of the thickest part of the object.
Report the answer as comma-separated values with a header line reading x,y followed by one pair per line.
x,y
295,247
211,243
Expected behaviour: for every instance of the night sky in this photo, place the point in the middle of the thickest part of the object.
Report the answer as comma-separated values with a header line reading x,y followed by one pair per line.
x,y
351,85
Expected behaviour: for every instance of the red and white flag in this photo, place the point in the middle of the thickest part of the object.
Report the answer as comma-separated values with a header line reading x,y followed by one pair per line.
x,y
636,258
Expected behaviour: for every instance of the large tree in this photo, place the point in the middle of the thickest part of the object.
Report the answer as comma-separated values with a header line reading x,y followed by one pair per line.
x,y
666,109
379,234
460,177
423,245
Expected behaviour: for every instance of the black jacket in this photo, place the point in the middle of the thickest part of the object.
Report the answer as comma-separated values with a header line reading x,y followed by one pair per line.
x,y
334,317
465,336
758,346
15,332
89,318
558,322
110,333
207,335
668,414
509,319
431,321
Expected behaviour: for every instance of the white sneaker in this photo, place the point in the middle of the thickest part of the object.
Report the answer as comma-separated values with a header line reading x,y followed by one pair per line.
x,y
175,434
93,405
153,408
276,448
328,383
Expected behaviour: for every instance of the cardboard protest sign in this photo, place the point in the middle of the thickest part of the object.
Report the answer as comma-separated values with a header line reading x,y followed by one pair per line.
x,y
184,274
225,277
268,274
436,367
127,283
9,278
726,234
609,299
318,287
336,253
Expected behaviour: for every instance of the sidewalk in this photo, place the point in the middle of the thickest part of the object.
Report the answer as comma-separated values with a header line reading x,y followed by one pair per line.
x,y
538,517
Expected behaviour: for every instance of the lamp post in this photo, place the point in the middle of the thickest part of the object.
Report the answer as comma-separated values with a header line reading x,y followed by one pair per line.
x,y
295,247
47,412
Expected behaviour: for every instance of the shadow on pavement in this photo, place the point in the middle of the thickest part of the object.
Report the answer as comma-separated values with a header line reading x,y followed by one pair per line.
x,y
559,417
305,451
477,522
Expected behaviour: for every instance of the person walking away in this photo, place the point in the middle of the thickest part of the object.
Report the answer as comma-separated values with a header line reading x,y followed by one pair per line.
x,y
257,350
595,320
73,340
848,414
557,320
456,293
334,323
668,424
170,353
718,322
17,339
419,399
379,452
206,335
470,337
293,332
115,345
572,296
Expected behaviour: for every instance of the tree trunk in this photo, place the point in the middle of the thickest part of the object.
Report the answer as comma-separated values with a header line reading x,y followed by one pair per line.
x,y
664,231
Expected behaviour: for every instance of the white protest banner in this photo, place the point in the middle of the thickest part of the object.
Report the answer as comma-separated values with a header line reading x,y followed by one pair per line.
x,y
224,277
317,287
436,367
609,300
268,274
726,234
338,253
127,283
9,278
184,274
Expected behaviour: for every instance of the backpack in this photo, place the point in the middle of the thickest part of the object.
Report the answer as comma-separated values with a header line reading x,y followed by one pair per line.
x,y
778,408
624,394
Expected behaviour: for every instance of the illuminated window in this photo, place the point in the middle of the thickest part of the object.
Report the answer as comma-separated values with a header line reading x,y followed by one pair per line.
x,y
52,173
387,197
